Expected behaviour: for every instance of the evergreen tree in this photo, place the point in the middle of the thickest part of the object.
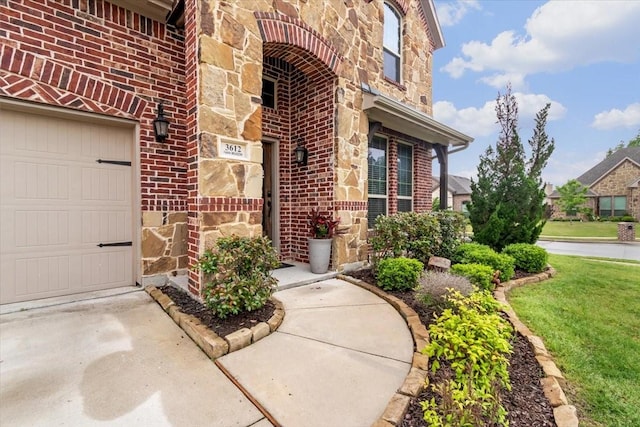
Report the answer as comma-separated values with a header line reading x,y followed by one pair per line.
x,y
507,201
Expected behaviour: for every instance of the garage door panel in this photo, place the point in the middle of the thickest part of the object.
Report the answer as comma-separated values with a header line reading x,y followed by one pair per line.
x,y
57,203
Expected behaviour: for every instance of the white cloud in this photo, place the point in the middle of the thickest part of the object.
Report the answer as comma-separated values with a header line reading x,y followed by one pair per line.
x,y
450,13
559,35
615,118
564,166
478,122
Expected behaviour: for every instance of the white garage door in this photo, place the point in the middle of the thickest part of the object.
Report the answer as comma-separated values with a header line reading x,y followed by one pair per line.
x,y
65,206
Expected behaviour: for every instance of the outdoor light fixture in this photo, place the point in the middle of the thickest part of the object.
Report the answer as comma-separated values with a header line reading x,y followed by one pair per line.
x,y
301,153
160,125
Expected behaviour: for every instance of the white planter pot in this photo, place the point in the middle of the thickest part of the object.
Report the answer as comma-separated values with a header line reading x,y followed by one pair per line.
x,y
319,255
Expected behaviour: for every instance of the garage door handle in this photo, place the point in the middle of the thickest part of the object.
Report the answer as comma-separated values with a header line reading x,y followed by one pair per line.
x,y
102,245
114,162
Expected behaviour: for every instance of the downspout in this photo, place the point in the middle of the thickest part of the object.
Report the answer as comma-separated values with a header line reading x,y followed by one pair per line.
x,y
442,154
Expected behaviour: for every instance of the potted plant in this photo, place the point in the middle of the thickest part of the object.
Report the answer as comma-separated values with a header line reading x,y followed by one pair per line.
x,y
322,228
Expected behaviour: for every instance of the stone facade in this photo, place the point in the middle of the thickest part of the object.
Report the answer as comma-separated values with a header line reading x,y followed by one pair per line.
x,y
623,180
207,179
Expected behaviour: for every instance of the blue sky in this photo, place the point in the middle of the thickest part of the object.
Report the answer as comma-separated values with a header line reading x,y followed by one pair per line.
x,y
581,56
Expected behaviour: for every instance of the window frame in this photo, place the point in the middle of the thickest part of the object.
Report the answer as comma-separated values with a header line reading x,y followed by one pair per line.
x,y
385,196
412,183
611,210
275,92
398,57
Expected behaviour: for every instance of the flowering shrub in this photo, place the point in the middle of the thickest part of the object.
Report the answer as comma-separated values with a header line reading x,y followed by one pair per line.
x,y
321,225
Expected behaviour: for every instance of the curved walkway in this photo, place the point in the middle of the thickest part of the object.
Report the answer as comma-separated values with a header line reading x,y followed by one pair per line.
x,y
117,358
338,358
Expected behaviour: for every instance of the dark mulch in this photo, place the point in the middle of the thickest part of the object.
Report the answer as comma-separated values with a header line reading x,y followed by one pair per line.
x,y
221,327
525,402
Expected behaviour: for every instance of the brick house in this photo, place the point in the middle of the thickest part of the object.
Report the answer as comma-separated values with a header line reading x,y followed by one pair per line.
x,y
458,192
92,198
613,186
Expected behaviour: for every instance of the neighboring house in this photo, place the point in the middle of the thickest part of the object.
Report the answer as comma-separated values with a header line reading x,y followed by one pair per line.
x,y
91,198
613,186
458,192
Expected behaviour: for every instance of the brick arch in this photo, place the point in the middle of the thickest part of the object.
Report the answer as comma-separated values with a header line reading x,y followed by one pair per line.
x,y
297,43
24,75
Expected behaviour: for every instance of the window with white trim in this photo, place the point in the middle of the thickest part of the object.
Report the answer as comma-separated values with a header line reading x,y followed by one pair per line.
x,y
392,43
377,178
405,178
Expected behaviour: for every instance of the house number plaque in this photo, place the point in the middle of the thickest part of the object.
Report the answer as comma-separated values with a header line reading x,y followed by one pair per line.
x,y
233,150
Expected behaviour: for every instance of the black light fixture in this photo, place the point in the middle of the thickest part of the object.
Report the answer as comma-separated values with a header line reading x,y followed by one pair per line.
x,y
301,153
160,125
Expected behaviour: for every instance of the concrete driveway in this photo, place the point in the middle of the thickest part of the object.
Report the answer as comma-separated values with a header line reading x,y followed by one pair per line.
x,y
116,361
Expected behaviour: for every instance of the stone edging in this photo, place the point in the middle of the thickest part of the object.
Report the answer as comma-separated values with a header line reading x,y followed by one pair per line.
x,y
213,345
563,413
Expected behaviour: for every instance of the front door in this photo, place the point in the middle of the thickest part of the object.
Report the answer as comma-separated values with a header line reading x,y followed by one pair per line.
x,y
269,192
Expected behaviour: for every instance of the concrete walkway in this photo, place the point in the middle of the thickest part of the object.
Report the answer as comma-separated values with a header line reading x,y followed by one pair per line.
x,y
337,359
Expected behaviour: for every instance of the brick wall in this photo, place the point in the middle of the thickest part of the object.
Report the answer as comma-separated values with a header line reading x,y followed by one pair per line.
x,y
305,109
98,57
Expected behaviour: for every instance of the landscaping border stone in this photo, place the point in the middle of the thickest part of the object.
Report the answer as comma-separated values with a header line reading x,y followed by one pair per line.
x,y
563,413
213,345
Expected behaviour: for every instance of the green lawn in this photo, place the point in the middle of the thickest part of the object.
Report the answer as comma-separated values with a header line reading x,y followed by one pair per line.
x,y
581,229
589,319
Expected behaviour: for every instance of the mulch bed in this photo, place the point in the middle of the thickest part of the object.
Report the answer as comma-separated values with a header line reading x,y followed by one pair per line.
x,y
221,327
525,402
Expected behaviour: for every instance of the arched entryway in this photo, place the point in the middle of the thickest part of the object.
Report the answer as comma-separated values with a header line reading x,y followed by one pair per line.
x,y
299,83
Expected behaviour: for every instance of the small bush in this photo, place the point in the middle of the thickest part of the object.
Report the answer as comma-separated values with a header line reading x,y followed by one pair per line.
x,y
473,253
480,275
530,258
435,286
237,274
399,274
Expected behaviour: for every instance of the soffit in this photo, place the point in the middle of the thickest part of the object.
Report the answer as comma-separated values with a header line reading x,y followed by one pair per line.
x,y
407,120
154,9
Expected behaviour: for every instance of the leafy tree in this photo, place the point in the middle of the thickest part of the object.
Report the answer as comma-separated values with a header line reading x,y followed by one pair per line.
x,y
572,197
633,142
507,201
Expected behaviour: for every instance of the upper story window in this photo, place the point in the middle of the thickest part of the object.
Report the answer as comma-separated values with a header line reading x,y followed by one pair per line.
x,y
391,43
268,92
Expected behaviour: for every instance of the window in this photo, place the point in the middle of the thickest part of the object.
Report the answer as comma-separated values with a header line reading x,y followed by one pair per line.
x,y
612,206
377,177
405,178
268,93
391,43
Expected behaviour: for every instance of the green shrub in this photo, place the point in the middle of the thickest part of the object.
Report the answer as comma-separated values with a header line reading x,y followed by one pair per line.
x,y
474,340
473,253
399,274
416,235
434,287
478,274
236,274
530,258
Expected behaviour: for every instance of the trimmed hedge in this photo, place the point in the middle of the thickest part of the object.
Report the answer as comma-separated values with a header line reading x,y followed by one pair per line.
x,y
478,274
474,253
530,258
399,274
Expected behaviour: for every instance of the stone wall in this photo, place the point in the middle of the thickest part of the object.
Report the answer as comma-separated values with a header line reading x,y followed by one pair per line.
x,y
333,49
618,182
164,246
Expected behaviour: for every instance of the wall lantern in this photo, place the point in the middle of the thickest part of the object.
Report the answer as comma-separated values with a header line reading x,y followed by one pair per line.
x,y
301,153
160,125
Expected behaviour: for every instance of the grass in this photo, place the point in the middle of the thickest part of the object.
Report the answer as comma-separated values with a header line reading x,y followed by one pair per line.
x,y
589,319
580,229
